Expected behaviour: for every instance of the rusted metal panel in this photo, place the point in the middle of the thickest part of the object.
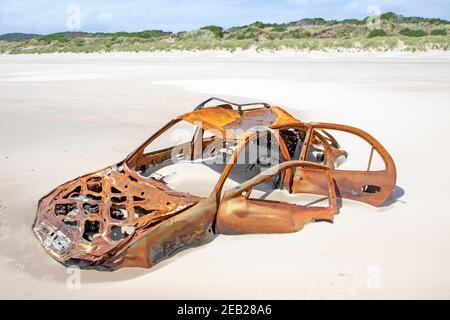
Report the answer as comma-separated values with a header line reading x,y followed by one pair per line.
x,y
190,228
99,214
371,187
233,124
240,215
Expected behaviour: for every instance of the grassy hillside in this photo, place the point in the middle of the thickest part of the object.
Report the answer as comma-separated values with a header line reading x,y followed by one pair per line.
x,y
18,36
396,32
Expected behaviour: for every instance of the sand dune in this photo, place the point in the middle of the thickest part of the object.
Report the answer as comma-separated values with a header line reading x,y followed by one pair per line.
x,y
65,115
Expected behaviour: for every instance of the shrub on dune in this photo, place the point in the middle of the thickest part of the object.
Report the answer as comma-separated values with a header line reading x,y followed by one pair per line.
x,y
216,30
377,33
438,32
412,33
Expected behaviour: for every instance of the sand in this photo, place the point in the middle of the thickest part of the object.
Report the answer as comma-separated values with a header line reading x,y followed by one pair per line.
x,y
65,115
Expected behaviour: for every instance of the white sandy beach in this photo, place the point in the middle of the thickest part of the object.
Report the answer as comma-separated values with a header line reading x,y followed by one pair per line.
x,y
63,115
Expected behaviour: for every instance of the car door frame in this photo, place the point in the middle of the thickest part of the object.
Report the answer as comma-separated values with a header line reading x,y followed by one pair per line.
x,y
350,184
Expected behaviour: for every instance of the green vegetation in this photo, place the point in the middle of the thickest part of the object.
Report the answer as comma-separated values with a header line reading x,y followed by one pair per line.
x,y
216,30
147,34
278,28
58,37
377,33
395,33
412,33
298,34
351,21
438,32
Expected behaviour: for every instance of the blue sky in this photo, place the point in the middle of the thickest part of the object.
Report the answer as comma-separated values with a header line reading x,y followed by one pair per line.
x,y
47,16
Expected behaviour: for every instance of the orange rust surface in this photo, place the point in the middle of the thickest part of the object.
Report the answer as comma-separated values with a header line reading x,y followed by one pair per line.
x,y
116,217
240,215
232,124
112,197
349,184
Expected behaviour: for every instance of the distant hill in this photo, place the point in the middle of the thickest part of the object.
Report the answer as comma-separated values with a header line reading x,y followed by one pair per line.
x,y
18,36
389,32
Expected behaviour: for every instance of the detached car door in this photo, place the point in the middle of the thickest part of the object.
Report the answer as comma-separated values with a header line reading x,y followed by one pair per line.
x,y
241,213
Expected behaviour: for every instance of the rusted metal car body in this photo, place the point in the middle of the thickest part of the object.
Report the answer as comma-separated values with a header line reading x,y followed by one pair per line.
x,y
126,215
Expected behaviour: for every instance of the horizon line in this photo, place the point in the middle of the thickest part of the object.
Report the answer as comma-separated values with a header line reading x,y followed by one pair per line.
x,y
227,28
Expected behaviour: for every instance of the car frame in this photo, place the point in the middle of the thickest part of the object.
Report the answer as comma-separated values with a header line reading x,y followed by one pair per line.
x,y
116,217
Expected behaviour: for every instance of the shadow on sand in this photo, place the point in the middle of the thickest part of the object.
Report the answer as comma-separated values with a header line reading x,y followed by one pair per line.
x,y
398,193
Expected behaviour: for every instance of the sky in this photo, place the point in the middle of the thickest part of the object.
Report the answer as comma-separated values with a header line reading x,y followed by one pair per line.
x,y
48,16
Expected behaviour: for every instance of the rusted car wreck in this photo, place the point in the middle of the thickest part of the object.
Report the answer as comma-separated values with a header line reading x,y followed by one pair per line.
x,y
243,168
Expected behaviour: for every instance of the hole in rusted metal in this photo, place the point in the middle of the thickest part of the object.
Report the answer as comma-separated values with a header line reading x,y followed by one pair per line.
x,y
118,212
70,223
90,208
91,228
135,198
320,157
92,197
140,212
94,184
118,233
75,192
115,190
371,189
64,209
119,199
